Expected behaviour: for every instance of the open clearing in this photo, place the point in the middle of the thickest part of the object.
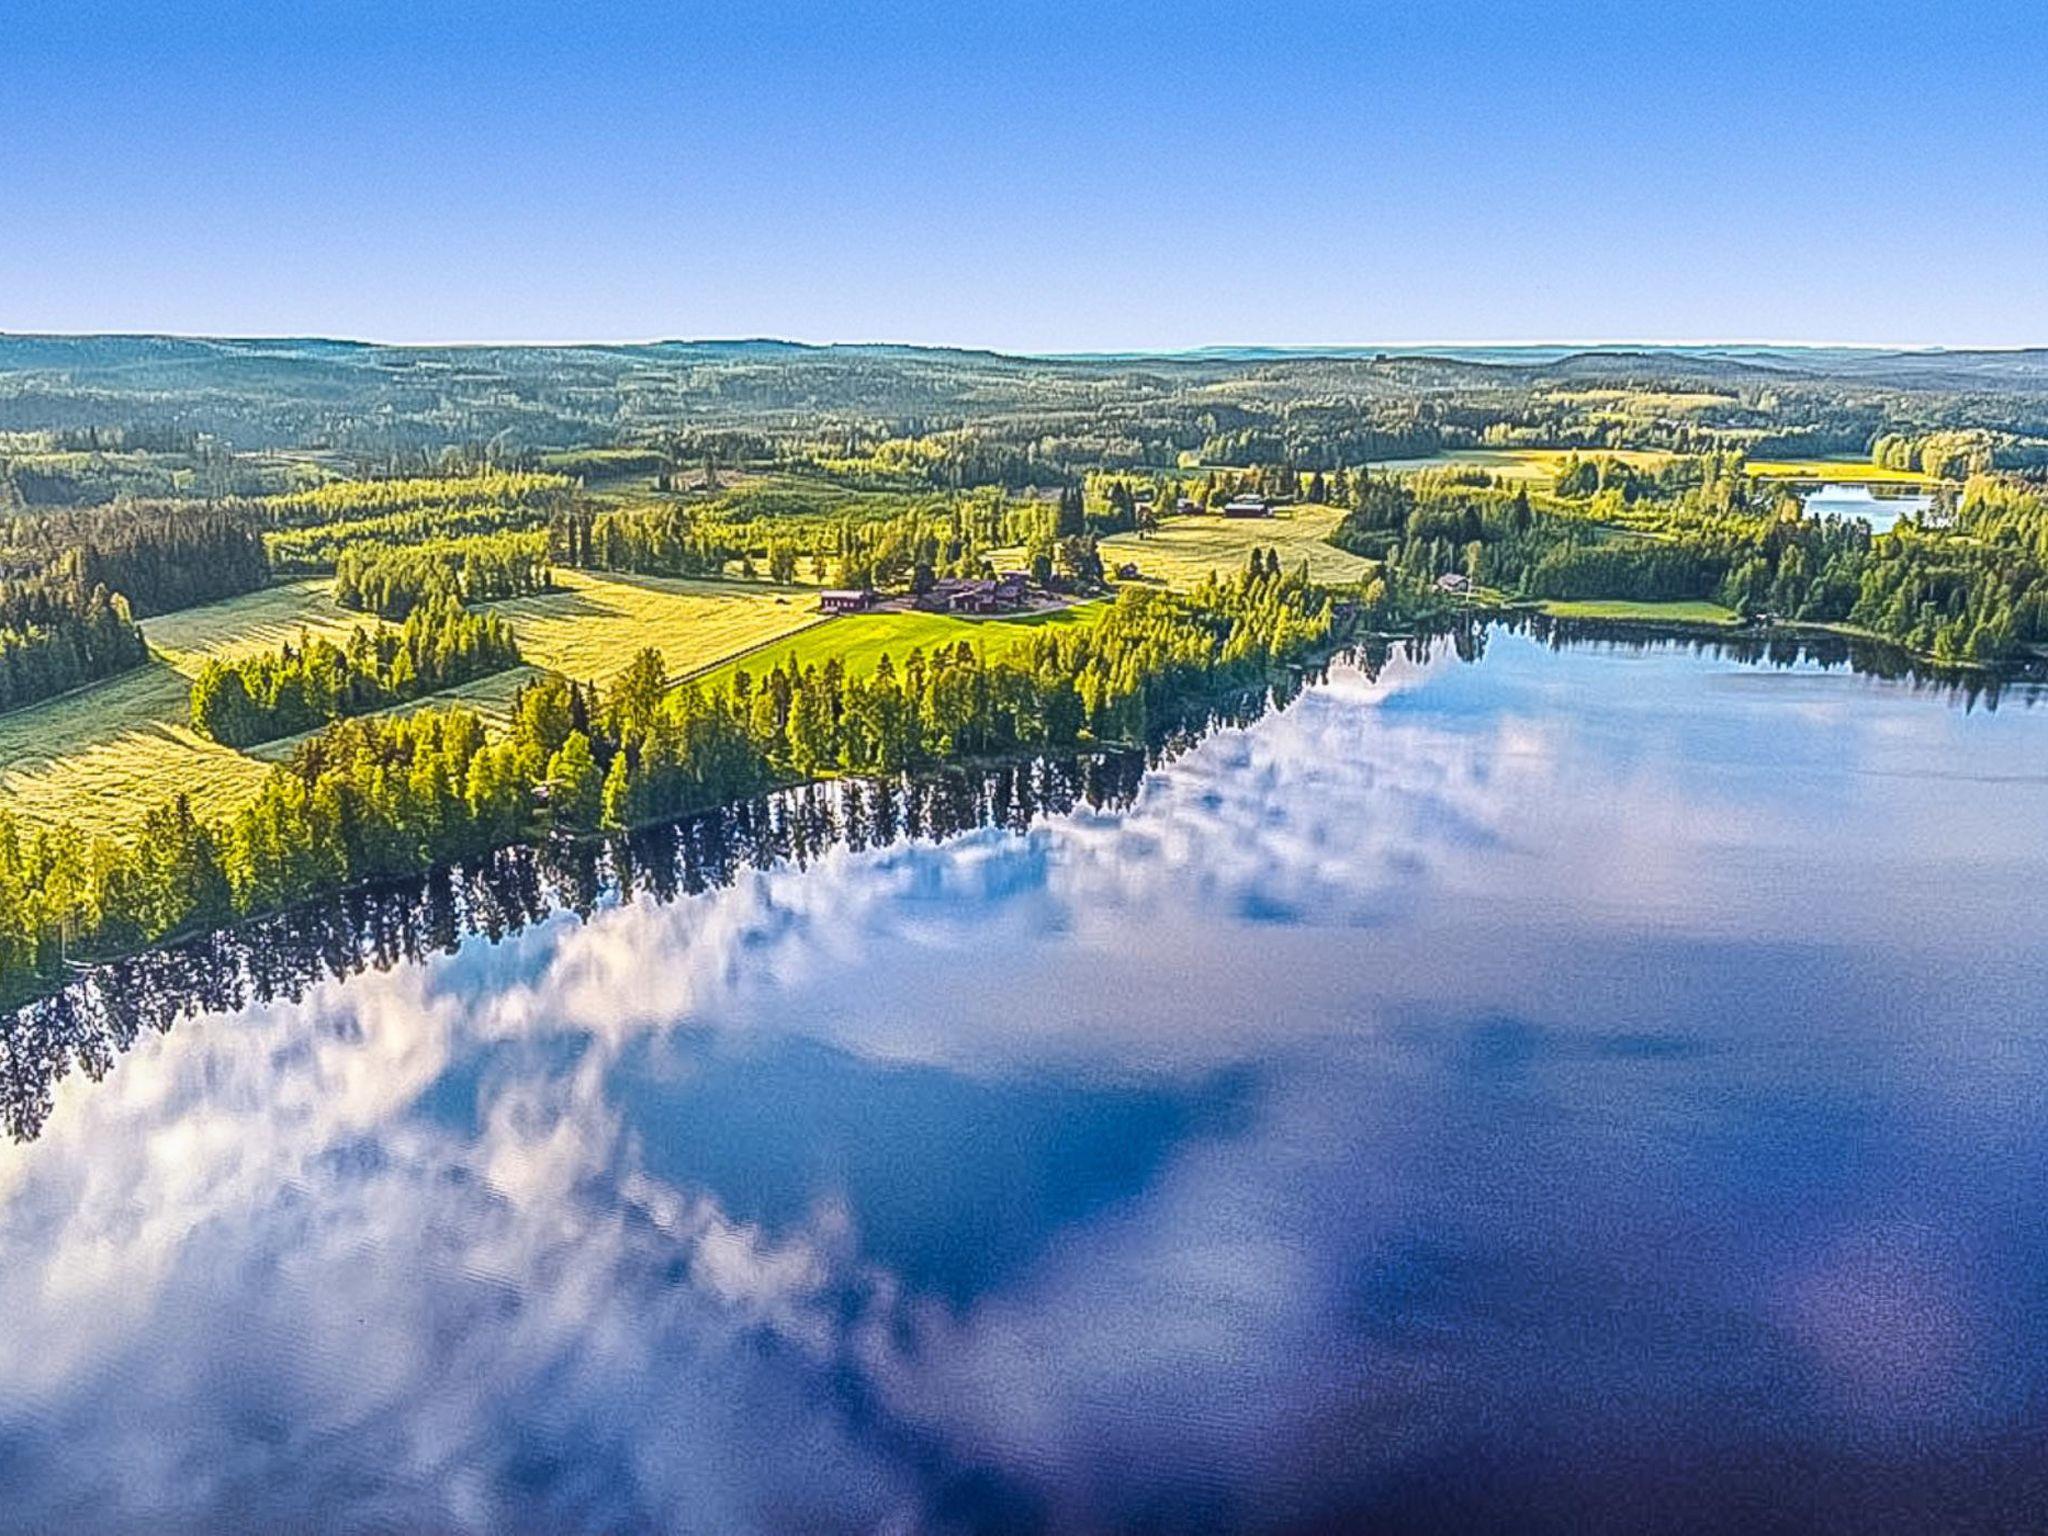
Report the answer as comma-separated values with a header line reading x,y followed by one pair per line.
x,y
1183,550
860,640
98,759
596,625
253,624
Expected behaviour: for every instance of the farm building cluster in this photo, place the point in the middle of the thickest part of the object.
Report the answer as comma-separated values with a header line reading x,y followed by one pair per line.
x,y
1005,593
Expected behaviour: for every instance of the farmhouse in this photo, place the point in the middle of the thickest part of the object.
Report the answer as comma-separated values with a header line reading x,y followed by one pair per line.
x,y
964,594
975,597
1248,506
847,601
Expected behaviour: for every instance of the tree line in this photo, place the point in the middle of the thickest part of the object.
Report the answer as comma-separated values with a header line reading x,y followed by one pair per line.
x,y
1967,586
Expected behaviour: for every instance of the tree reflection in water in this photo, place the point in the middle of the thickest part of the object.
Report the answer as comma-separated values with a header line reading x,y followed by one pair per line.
x,y
105,1009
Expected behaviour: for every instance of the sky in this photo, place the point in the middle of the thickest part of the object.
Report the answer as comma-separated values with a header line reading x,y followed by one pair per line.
x,y
1053,178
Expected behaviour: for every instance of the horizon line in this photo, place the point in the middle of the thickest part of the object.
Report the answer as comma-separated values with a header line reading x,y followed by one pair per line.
x,y
1305,349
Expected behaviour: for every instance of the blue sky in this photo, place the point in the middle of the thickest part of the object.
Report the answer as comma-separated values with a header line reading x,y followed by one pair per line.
x,y
1034,177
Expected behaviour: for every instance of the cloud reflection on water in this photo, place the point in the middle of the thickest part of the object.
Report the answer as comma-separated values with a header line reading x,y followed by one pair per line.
x,y
498,1241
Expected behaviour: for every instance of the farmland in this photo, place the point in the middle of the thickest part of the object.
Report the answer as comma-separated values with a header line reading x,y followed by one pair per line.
x,y
99,758
1183,550
96,759
1530,465
598,622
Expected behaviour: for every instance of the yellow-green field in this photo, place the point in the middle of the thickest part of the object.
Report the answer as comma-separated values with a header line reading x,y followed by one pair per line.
x,y
99,758
596,625
860,640
253,624
1183,550
1839,471
1634,402
1534,465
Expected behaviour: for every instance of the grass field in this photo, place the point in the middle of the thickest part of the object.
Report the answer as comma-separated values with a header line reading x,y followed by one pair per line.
x,y
1637,402
1838,471
98,759
1185,549
860,640
253,624
1642,613
593,627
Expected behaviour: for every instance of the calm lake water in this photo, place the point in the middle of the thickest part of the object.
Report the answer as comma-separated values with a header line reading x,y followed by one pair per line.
x,y
1882,512
1586,1090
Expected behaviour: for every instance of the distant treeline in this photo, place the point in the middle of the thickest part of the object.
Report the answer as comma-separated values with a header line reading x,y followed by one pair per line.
x,y
260,698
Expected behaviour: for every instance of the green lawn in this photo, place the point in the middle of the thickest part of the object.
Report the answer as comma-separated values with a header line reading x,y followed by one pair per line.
x,y
860,640
1641,613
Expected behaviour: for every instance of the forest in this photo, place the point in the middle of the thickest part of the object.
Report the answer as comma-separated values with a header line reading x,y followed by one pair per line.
x,y
57,634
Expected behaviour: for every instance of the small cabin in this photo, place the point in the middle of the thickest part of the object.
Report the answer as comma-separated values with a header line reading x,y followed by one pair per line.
x,y
846,601
1452,581
1248,506
1127,572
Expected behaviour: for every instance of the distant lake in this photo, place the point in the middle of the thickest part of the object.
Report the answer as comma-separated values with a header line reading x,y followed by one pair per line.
x,y
1881,511
1588,1088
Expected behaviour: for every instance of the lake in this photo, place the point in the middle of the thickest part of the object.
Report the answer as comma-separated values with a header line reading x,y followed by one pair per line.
x,y
1881,510
1584,1088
